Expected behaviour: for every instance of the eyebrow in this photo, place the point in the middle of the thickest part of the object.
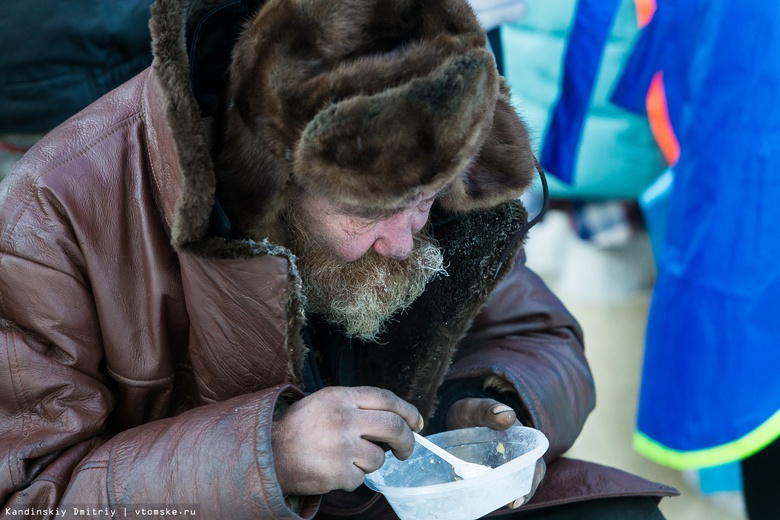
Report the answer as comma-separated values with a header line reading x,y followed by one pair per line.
x,y
381,213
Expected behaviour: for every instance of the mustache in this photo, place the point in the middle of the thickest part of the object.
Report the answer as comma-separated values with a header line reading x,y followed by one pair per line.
x,y
362,296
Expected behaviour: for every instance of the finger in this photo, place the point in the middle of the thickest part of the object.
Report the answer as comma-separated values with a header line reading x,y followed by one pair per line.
x,y
389,428
368,457
372,398
473,411
517,503
352,478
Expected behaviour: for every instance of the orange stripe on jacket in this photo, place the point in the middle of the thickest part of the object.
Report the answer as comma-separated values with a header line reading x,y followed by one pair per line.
x,y
645,9
660,124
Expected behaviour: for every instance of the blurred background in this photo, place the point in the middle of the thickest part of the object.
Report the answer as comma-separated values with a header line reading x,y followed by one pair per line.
x,y
609,291
632,109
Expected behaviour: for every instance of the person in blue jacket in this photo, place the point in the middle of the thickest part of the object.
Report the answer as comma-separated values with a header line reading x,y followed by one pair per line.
x,y
709,393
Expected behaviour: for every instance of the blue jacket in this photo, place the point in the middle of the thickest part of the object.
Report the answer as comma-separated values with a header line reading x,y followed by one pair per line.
x,y
59,56
709,392
563,61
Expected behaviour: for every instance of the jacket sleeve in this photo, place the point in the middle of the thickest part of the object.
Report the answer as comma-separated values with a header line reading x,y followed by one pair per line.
x,y
526,349
56,397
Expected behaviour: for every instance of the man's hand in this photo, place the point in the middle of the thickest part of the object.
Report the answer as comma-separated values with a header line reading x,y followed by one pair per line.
x,y
473,411
329,439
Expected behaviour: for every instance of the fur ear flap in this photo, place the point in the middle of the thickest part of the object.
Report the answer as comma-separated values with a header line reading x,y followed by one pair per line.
x,y
381,150
503,169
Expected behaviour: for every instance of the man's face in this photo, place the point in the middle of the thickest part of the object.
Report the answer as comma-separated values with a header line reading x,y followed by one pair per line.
x,y
358,269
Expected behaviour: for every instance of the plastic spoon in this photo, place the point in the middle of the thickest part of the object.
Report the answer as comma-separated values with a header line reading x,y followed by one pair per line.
x,y
462,468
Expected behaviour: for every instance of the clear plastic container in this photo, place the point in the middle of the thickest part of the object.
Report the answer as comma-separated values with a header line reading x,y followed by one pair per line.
x,y
425,487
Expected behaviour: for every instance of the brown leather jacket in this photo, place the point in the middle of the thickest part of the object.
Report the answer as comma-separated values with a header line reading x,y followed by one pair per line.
x,y
144,356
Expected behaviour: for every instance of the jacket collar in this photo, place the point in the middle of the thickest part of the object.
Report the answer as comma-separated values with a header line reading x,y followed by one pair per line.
x,y
163,153
177,126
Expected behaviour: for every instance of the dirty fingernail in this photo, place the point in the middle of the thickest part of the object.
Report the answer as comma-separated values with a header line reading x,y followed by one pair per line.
x,y
420,424
501,409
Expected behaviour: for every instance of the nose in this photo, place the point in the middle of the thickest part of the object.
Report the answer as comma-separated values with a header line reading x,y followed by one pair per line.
x,y
395,235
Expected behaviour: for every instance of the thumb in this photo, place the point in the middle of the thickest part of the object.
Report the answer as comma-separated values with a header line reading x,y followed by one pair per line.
x,y
473,411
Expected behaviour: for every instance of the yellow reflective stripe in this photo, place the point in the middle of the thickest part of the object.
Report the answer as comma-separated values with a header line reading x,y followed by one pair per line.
x,y
729,452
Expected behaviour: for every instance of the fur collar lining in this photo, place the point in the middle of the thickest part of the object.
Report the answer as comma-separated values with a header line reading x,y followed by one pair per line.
x,y
171,70
412,358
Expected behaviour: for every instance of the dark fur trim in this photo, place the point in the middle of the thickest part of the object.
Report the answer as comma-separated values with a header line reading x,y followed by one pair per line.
x,y
504,168
417,350
171,69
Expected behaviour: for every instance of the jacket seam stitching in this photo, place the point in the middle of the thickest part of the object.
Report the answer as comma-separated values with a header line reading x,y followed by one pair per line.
x,y
119,125
273,397
4,254
16,383
147,120
110,477
142,383
7,234
92,464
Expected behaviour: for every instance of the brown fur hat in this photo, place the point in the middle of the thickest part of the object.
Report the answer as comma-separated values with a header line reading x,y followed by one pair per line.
x,y
370,102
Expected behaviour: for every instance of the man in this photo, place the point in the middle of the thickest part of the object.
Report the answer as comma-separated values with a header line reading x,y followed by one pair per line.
x,y
225,296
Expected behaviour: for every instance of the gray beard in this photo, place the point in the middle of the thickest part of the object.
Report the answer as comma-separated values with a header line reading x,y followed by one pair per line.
x,y
360,297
